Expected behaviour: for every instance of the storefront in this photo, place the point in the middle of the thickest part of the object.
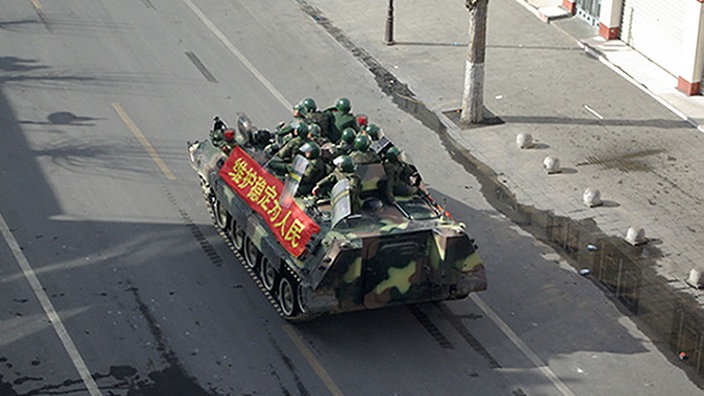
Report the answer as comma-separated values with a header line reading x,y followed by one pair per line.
x,y
669,33
588,10
654,30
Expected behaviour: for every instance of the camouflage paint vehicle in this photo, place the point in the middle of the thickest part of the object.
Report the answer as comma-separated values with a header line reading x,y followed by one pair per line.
x,y
321,259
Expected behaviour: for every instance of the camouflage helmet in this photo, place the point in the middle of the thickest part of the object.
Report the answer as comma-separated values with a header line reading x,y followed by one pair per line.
x,y
301,129
393,153
343,105
362,142
314,130
348,135
309,104
345,163
373,131
312,148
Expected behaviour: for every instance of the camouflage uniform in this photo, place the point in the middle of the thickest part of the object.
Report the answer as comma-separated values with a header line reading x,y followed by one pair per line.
x,y
342,148
336,175
342,121
342,118
398,176
361,154
313,173
322,119
364,157
281,163
291,148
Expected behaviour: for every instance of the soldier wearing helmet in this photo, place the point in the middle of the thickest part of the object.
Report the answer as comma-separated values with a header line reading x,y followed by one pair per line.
x,y
284,132
291,147
399,176
342,118
309,105
373,131
216,136
346,143
299,111
218,124
315,135
314,116
345,169
315,169
299,114
361,154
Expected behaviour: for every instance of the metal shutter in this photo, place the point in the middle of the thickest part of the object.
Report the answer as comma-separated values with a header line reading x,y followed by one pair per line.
x,y
654,28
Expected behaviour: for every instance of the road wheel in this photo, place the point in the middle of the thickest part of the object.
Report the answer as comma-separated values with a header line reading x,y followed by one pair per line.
x,y
204,187
268,275
299,298
220,213
251,254
287,296
237,235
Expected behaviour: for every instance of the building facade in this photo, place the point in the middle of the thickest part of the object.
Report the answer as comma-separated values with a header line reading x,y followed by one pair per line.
x,y
668,32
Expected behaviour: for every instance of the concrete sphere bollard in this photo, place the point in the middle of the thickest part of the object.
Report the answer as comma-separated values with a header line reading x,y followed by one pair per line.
x,y
524,140
635,237
696,278
592,197
551,165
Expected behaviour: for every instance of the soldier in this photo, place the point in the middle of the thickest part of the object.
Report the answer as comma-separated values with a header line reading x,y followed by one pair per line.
x,y
314,171
398,176
218,124
299,111
315,135
342,119
317,117
345,170
346,141
361,153
216,133
291,147
281,161
309,105
373,132
284,130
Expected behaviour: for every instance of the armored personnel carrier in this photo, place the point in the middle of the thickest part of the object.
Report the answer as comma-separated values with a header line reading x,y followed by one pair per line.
x,y
313,255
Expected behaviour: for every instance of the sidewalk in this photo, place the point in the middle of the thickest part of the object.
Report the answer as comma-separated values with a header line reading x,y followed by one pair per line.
x,y
623,137
615,54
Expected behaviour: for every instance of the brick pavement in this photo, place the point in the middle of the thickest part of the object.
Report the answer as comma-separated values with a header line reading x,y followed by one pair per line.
x,y
613,119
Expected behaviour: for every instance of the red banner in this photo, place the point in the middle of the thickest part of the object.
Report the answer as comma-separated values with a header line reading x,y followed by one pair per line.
x,y
262,192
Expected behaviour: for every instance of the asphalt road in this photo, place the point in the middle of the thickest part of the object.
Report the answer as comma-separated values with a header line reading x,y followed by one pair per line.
x,y
114,282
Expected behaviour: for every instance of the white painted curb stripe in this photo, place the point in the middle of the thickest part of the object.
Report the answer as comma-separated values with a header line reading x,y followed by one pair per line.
x,y
49,310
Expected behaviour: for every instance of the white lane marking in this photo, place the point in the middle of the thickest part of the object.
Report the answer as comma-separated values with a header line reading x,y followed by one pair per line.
x,y
231,47
597,115
49,310
500,323
544,369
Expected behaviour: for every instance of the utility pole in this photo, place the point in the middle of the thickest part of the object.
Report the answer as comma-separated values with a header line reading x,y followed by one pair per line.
x,y
473,95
